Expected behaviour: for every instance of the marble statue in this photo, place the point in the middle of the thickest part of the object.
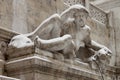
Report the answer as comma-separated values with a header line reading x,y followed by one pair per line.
x,y
66,33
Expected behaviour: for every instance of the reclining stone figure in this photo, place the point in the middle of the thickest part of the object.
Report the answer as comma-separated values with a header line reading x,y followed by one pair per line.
x,y
66,32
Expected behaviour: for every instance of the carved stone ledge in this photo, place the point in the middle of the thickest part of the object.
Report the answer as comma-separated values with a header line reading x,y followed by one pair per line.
x,y
49,67
6,35
30,60
41,62
19,52
7,78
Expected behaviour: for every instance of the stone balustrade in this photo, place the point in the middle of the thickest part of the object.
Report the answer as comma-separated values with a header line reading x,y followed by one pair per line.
x,y
96,13
73,2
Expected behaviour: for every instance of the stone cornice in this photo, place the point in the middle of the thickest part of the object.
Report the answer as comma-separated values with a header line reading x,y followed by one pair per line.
x,y
35,60
6,35
19,52
49,67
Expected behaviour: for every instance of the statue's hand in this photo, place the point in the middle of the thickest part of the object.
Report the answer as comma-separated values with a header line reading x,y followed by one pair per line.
x,y
104,53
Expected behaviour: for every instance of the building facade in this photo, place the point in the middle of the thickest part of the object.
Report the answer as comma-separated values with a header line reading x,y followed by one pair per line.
x,y
30,63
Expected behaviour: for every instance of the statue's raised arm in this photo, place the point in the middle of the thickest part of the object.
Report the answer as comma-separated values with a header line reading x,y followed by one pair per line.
x,y
53,21
24,40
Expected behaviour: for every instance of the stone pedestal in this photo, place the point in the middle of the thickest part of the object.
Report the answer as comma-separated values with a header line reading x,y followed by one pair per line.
x,y
33,64
42,68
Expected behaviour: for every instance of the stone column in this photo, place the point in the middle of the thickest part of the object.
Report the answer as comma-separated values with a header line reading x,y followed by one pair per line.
x,y
3,47
112,44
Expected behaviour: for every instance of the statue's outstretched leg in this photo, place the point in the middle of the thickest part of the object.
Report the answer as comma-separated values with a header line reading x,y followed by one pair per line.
x,y
64,43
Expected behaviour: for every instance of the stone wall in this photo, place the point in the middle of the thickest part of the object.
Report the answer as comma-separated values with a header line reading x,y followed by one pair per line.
x,y
113,6
24,16
6,11
40,65
116,21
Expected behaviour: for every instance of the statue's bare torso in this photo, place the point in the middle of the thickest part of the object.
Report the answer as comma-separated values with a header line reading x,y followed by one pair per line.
x,y
80,35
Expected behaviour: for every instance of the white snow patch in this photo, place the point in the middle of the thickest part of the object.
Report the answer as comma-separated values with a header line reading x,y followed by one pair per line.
x,y
20,41
1,76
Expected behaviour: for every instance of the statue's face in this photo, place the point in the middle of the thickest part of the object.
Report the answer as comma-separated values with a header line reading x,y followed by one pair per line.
x,y
80,18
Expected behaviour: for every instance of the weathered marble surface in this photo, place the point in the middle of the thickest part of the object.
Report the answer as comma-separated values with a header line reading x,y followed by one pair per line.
x,y
29,17
114,7
27,13
38,63
51,69
13,55
6,20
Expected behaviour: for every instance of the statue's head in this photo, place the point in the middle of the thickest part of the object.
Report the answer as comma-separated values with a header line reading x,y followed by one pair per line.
x,y
78,12
20,41
80,15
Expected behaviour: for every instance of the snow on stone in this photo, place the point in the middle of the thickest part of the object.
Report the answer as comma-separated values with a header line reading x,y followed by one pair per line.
x,y
20,41
87,27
